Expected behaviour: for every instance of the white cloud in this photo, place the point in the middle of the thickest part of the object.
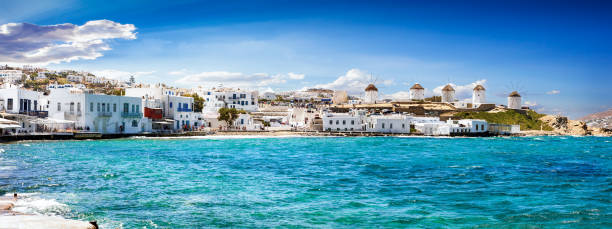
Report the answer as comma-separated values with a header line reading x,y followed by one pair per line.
x,y
553,92
530,104
178,72
400,95
119,75
24,43
462,92
233,79
354,82
295,76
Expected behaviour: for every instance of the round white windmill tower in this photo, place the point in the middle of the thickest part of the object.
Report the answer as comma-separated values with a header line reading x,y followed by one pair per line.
x,y
417,92
448,94
514,100
371,94
478,95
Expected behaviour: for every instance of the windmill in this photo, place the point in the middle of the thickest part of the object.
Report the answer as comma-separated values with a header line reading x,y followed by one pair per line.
x,y
513,91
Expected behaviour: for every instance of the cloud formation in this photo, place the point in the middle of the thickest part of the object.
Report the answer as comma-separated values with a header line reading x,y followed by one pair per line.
x,y
354,82
120,75
236,79
462,92
295,76
25,43
553,92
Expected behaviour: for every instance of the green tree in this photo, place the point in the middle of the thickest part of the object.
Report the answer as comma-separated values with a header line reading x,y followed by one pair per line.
x,y
198,102
229,115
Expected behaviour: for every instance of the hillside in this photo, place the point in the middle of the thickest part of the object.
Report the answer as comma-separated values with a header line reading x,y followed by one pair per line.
x,y
598,115
600,119
529,121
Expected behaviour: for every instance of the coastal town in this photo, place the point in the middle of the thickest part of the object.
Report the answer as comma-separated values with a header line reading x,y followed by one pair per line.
x,y
38,103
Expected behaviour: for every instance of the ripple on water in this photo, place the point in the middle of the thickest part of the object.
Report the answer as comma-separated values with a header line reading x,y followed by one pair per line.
x,y
317,182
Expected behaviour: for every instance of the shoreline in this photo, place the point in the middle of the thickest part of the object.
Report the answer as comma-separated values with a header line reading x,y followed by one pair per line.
x,y
255,134
9,217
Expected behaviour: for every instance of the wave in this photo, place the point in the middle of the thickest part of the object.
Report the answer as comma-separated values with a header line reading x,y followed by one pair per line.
x,y
33,203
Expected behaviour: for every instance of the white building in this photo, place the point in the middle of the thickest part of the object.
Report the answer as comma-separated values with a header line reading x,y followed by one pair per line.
x,y
514,100
395,123
478,95
75,78
17,100
448,94
245,122
468,126
177,108
106,114
352,121
417,92
11,76
371,94
215,99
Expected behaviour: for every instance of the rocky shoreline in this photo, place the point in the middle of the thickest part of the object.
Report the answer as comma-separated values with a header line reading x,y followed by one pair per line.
x,y
14,219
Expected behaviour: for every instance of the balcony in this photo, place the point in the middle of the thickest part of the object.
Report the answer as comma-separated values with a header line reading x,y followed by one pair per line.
x,y
131,114
183,109
40,114
105,114
73,113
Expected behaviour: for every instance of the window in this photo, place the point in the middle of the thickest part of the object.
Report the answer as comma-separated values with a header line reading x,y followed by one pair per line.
x,y
126,107
383,125
391,126
103,107
79,106
133,108
9,105
134,123
337,122
476,127
137,108
71,106
98,109
343,122
114,107
59,107
352,123
170,104
403,126
331,122
91,107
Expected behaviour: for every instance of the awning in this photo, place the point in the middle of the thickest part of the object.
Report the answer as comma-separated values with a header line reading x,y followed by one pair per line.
x,y
53,121
7,121
7,126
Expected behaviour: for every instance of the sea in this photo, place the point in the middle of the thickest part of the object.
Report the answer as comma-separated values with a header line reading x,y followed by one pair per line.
x,y
316,182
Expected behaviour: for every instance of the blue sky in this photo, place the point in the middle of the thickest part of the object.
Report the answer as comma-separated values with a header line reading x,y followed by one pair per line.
x,y
557,54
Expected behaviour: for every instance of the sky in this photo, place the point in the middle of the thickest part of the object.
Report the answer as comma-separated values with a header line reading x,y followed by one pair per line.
x,y
556,54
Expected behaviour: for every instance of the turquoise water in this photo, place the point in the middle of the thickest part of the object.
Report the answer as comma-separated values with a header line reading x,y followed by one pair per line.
x,y
383,182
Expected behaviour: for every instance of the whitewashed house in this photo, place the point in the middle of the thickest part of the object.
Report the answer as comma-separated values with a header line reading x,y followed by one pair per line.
x,y
106,114
11,76
217,98
175,107
394,123
75,78
352,121
20,101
